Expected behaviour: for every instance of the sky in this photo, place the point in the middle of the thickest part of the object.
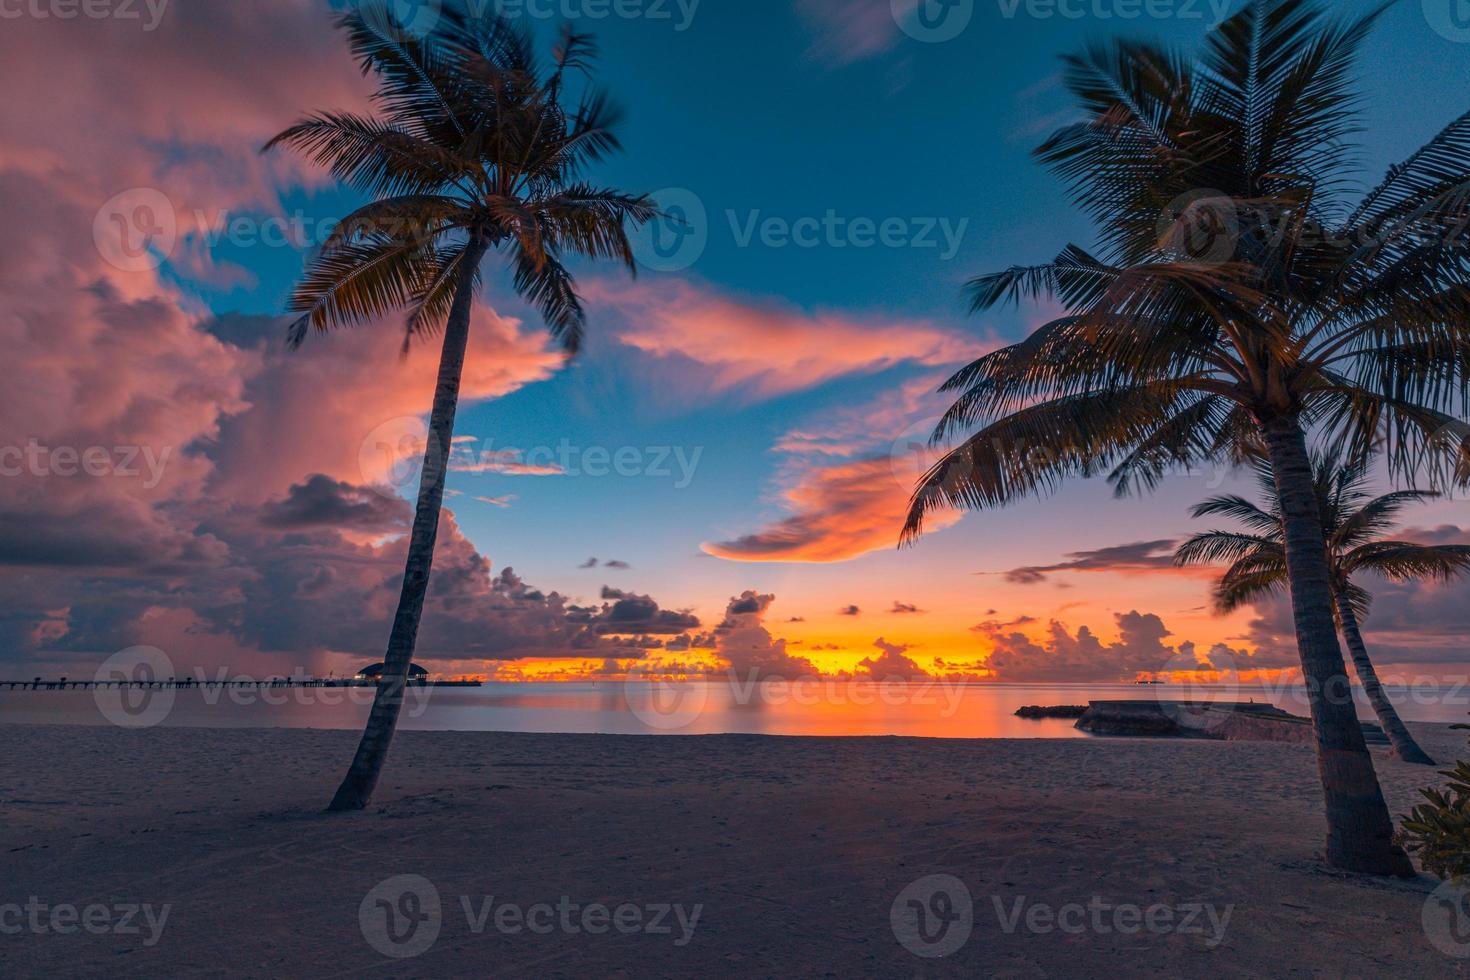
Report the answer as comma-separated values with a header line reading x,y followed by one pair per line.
x,y
720,476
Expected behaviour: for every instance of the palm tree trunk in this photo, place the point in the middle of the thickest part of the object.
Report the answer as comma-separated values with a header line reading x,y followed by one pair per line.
x,y
1403,743
357,787
1359,829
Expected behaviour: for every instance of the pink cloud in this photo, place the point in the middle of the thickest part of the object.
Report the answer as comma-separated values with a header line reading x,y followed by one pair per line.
x,y
225,513
766,348
849,30
183,106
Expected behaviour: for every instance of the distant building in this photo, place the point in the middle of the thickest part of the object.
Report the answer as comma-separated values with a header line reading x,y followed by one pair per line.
x,y
373,672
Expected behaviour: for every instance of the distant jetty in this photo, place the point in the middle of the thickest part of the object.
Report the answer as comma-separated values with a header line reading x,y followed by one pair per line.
x,y
1052,711
185,683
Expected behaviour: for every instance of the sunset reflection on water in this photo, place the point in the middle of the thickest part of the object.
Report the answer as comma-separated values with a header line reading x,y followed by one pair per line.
x,y
813,707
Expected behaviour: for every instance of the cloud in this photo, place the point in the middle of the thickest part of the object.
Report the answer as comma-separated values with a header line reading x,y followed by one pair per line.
x,y
891,664
628,612
844,500
904,607
899,419
589,563
1137,557
748,648
1081,656
692,641
838,512
1421,623
847,31
763,349
506,462
324,502
504,501
849,611
616,565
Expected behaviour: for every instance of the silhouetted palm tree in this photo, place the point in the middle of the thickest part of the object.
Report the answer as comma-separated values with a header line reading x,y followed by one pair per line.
x,y
474,149
1238,301
1353,522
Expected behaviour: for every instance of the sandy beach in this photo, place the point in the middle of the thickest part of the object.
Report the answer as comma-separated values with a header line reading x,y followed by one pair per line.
x,y
728,856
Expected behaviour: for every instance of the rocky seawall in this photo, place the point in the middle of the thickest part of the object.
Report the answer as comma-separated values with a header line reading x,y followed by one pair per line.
x,y
1229,721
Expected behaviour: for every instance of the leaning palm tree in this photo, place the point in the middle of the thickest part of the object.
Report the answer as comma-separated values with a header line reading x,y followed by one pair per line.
x,y
1220,323
1353,522
474,149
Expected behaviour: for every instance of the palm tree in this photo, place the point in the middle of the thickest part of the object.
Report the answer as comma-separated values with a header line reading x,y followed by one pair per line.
x,y
1222,323
1353,522
474,149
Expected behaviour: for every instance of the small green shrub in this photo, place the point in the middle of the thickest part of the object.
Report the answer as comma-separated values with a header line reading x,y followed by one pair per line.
x,y
1439,831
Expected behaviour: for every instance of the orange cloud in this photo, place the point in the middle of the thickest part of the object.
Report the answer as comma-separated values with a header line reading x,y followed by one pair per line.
x,y
837,512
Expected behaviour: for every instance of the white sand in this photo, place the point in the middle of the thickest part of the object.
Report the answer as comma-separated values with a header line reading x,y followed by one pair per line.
x,y
795,849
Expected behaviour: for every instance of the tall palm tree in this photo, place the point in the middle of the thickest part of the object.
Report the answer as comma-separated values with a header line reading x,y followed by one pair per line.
x,y
1353,522
474,149
1220,323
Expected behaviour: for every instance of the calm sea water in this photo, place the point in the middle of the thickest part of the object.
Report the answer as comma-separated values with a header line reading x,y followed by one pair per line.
x,y
801,708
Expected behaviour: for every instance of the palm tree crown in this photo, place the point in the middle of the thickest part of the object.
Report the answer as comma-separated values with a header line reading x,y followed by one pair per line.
x,y
473,141
1236,284
1353,521
1353,524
